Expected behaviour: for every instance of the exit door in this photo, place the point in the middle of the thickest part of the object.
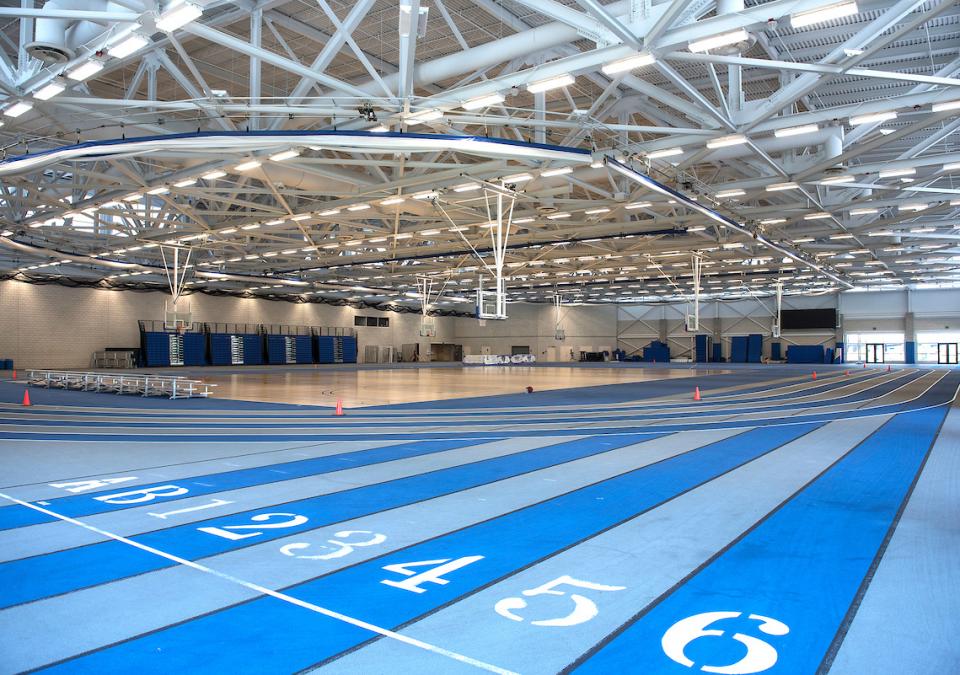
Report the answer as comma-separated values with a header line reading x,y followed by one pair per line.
x,y
874,353
947,352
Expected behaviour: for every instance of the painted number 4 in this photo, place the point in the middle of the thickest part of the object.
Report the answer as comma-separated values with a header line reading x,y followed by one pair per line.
x,y
584,608
432,576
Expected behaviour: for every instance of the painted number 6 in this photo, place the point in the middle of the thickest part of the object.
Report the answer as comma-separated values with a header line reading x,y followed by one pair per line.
x,y
760,654
345,548
584,608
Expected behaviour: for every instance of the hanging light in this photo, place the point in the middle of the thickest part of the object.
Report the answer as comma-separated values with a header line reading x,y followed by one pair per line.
x,y
178,14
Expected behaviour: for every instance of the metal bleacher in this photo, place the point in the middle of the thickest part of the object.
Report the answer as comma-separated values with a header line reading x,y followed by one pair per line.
x,y
143,384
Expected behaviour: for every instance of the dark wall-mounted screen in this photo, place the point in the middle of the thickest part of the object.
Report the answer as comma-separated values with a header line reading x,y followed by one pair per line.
x,y
807,319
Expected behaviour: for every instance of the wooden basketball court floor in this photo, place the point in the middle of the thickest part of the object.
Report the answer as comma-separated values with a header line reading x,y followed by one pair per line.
x,y
783,524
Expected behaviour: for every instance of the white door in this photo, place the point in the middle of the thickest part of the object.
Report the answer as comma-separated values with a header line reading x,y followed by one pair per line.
x,y
551,354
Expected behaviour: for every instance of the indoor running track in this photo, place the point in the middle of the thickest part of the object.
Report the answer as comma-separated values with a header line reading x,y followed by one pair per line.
x,y
782,525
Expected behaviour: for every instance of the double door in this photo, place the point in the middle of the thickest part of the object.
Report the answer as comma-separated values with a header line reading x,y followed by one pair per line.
x,y
874,353
947,353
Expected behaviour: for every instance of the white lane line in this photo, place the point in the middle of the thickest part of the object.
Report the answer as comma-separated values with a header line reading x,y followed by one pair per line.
x,y
385,632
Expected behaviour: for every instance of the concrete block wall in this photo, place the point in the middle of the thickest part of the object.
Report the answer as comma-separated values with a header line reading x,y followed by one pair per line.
x,y
50,326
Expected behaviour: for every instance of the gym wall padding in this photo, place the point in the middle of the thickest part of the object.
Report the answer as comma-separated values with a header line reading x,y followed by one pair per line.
x,y
700,348
276,350
220,354
775,353
738,349
349,349
304,349
754,348
156,349
194,349
805,354
252,350
909,352
717,352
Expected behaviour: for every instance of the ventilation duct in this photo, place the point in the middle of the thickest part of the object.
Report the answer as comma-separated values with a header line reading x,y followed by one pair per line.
x,y
55,39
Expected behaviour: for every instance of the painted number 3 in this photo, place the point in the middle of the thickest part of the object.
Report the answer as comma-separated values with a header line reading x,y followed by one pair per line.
x,y
342,547
584,608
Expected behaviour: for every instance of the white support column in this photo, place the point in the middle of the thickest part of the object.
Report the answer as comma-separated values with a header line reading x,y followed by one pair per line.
x,y
256,28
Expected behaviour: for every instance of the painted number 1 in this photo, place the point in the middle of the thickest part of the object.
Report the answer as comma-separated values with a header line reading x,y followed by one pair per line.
x,y
433,576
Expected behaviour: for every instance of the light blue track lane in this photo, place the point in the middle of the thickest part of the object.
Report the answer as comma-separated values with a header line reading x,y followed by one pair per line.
x,y
42,576
802,567
271,636
86,504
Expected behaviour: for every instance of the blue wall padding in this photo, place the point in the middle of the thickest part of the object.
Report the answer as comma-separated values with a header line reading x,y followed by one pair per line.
x,y
276,350
700,348
349,349
828,355
194,349
805,354
324,348
252,350
775,354
220,349
910,352
156,349
656,351
738,349
717,352
304,349
840,353
754,348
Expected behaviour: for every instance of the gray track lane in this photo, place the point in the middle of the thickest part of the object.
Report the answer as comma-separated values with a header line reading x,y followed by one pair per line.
x,y
247,455
910,613
179,593
49,537
647,555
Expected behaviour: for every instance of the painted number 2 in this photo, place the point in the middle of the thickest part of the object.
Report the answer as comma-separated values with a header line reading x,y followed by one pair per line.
x,y
583,610
343,547
433,576
262,523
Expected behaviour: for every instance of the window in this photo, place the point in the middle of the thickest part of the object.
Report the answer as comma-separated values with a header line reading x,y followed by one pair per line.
x,y
359,321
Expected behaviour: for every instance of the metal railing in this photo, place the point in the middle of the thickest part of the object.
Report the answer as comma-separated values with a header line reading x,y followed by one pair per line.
x,y
143,384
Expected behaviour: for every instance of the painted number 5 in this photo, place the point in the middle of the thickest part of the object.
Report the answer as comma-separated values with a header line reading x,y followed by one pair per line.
x,y
584,608
343,547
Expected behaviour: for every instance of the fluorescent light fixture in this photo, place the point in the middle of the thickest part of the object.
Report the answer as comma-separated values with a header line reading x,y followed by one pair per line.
x,y
227,230
893,173
549,173
429,233
803,240
429,194
550,83
629,63
735,244
558,216
136,196
730,193
834,180
779,187
158,190
721,40
358,207
301,216
841,236
276,221
390,201
483,101
945,105
128,46
872,117
251,226
920,230
423,116
247,166
466,187
185,183
403,235
285,155
520,221
638,205
380,129
667,152
178,14
913,207
773,221
18,109
828,13
329,212
819,215
213,175
864,212
593,212
951,167
726,141
85,70
49,91
517,178
796,131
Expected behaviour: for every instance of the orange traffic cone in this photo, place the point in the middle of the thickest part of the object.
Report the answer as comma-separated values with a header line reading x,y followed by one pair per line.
x,y
696,393
846,372
339,411
14,374
26,398
814,375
